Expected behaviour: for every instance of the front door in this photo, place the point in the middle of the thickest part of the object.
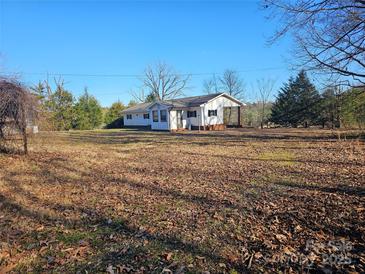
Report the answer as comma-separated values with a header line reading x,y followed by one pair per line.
x,y
179,118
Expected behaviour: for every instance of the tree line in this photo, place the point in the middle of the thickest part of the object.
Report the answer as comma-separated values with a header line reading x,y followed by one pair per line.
x,y
299,103
329,41
60,110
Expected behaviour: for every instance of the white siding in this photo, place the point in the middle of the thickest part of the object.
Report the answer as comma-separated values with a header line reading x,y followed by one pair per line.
x,y
137,120
160,125
194,121
173,119
218,104
184,115
171,124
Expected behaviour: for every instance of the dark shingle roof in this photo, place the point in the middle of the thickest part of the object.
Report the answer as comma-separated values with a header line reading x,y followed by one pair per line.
x,y
193,101
138,108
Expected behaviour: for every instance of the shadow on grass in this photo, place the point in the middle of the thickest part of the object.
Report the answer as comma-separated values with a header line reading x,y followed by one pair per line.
x,y
136,255
277,159
223,138
338,189
48,169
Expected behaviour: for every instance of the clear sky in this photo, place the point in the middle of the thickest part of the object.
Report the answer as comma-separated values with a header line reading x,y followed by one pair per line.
x,y
103,38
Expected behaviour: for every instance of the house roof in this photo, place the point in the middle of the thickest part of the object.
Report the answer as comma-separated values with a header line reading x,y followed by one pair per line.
x,y
139,108
193,101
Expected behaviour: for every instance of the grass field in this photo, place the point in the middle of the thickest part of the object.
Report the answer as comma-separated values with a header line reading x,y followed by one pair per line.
x,y
150,202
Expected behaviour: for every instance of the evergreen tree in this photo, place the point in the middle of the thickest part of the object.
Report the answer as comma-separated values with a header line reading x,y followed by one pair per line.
x,y
132,103
39,90
308,100
353,108
88,112
298,102
114,112
330,108
150,98
283,111
60,105
44,114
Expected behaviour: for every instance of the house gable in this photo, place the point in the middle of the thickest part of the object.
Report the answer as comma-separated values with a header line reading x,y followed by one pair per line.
x,y
226,96
159,105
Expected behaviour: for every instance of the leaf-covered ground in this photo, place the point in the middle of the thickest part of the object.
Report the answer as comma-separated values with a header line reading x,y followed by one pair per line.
x,y
149,202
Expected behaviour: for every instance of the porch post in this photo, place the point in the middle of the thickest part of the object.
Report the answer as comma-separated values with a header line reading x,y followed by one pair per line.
x,y
168,119
239,116
202,118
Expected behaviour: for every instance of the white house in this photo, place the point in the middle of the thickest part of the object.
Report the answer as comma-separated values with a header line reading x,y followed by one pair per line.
x,y
213,111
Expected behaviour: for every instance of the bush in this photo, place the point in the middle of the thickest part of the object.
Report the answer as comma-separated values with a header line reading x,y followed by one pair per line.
x,y
118,123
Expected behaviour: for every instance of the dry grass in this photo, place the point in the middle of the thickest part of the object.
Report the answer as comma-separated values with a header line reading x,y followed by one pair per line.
x,y
147,202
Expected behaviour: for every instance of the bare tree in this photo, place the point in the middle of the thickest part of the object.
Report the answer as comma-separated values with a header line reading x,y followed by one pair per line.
x,y
265,88
163,83
210,86
139,95
17,108
329,35
232,84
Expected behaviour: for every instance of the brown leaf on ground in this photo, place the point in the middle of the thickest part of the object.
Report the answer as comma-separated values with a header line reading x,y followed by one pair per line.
x,y
129,201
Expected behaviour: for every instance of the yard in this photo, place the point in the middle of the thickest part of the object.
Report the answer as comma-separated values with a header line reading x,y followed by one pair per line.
x,y
149,202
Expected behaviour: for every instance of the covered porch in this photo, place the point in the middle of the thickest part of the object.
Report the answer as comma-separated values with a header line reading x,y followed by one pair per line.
x,y
186,118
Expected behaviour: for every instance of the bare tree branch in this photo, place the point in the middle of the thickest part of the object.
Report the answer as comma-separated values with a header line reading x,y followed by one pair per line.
x,y
163,83
265,88
139,95
232,84
329,34
17,108
210,86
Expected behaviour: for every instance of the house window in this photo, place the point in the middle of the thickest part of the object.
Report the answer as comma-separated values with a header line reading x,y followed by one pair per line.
x,y
155,115
191,113
163,114
212,112
129,116
146,116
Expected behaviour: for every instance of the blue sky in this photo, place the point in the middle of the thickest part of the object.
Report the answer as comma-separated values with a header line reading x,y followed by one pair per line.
x,y
121,37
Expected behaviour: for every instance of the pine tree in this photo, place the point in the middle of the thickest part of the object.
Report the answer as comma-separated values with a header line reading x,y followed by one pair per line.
x,y
132,103
114,112
298,102
330,108
150,98
308,100
353,108
39,90
88,112
284,108
60,105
